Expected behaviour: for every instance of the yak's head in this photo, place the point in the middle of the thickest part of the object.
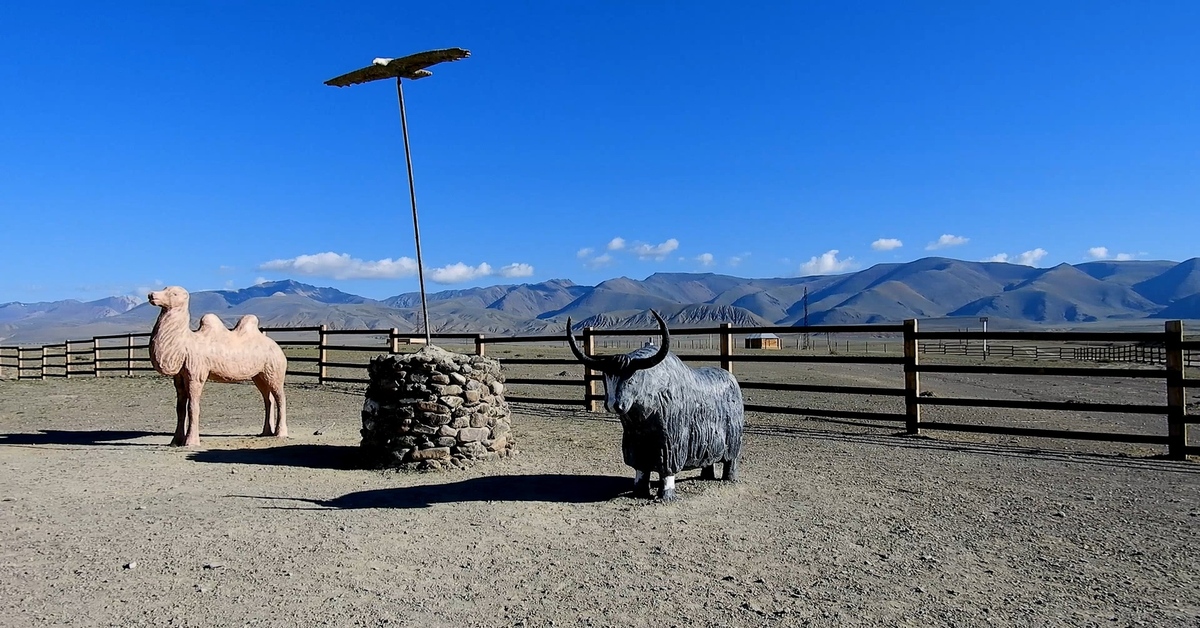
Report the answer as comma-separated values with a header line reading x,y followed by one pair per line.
x,y
617,369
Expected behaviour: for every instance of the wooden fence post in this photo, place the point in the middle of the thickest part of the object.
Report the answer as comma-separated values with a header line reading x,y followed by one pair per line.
x,y
67,359
42,366
129,355
912,379
479,344
1176,395
322,356
95,357
726,347
591,379
394,340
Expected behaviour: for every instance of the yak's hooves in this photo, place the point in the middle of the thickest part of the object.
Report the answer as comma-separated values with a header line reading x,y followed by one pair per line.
x,y
266,433
666,496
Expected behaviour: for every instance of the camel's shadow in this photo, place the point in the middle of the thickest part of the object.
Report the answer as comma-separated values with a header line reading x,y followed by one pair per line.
x,y
308,456
79,437
559,488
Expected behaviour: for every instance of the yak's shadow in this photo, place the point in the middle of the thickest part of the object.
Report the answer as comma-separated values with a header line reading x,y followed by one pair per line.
x,y
307,456
78,437
565,489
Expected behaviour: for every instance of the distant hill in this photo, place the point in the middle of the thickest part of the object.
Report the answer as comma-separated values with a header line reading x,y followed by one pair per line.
x,y
1063,294
1178,282
931,288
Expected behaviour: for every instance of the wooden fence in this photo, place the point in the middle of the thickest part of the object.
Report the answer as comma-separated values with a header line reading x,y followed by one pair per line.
x,y
128,355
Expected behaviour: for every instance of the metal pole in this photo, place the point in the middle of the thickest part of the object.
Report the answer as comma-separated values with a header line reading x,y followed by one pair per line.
x,y
412,195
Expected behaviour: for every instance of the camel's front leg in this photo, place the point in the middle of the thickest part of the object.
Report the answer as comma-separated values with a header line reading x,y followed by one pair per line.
x,y
195,386
181,408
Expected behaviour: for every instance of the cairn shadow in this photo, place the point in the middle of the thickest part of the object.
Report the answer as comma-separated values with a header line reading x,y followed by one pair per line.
x,y
79,437
338,457
557,488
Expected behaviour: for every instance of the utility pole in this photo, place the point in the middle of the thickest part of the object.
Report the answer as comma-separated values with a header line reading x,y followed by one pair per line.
x,y
806,338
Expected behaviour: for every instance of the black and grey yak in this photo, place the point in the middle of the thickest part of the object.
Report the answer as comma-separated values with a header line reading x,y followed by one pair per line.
x,y
674,417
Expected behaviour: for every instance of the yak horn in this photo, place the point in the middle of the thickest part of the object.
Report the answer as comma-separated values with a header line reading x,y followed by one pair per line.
x,y
649,362
588,361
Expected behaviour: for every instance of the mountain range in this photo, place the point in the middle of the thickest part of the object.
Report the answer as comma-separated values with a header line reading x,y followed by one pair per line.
x,y
1010,295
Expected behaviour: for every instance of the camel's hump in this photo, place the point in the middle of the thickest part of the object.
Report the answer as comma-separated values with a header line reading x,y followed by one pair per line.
x,y
211,323
246,323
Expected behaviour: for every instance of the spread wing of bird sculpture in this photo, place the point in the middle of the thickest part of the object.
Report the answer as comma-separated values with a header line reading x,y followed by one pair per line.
x,y
411,67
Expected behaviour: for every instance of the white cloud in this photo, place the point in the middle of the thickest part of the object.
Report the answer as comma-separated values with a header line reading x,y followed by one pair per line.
x,y
1031,258
886,244
460,272
258,281
705,259
616,244
1101,252
655,251
342,266
946,241
515,270
827,263
1028,258
739,258
600,261
583,253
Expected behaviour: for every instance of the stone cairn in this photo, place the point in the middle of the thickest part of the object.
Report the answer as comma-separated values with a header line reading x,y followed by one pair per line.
x,y
435,409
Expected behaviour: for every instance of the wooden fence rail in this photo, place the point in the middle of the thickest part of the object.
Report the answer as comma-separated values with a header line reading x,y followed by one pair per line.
x,y
314,350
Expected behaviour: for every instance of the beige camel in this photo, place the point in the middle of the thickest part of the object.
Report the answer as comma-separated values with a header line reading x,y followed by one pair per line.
x,y
213,352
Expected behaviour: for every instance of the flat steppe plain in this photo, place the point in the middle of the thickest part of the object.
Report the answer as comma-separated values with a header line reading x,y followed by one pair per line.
x,y
835,522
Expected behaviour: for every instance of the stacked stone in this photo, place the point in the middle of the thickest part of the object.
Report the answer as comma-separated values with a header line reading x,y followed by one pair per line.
x,y
435,409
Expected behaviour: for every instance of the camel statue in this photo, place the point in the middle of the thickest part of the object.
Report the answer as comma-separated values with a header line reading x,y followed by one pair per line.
x,y
213,352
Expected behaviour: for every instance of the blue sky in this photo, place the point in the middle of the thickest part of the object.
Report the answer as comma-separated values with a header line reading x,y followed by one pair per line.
x,y
151,143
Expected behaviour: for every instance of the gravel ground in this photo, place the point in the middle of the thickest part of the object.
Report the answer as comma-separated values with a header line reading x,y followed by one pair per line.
x,y
835,523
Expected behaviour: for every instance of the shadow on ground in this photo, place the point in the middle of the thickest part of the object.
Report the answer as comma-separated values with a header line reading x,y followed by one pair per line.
x,y
306,456
566,489
79,437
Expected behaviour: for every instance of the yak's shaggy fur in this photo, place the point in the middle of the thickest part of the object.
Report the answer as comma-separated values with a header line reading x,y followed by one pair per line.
x,y
675,417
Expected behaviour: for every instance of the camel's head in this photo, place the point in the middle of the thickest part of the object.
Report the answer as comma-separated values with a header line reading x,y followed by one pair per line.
x,y
170,297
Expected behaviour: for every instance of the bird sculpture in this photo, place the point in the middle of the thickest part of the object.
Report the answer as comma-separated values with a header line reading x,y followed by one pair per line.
x,y
411,67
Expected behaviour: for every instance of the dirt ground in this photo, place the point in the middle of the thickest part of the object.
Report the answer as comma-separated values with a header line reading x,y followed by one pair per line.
x,y
835,523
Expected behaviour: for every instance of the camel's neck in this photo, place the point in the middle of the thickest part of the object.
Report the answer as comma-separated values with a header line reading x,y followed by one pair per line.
x,y
169,340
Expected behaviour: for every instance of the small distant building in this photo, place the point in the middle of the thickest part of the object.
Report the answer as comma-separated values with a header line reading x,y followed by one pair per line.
x,y
762,341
